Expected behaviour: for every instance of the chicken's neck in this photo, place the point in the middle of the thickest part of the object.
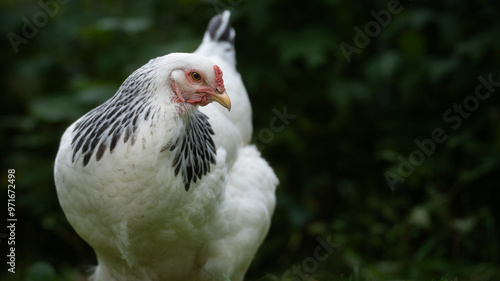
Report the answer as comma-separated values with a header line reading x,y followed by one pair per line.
x,y
194,148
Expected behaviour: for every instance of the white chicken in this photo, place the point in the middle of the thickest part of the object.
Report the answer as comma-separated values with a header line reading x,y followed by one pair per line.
x,y
163,184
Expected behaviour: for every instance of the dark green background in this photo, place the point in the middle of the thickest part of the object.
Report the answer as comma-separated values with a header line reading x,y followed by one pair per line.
x,y
355,122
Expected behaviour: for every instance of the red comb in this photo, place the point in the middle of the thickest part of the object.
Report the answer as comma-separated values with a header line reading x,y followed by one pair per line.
x,y
219,82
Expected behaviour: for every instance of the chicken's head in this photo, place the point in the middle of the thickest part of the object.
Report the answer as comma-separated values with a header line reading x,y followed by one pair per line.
x,y
197,81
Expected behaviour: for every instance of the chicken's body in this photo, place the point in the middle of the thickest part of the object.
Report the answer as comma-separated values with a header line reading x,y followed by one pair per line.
x,y
164,191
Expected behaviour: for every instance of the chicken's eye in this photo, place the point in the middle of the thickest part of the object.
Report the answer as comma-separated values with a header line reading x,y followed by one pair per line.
x,y
195,75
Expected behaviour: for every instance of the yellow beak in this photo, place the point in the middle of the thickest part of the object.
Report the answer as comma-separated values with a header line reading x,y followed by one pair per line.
x,y
222,99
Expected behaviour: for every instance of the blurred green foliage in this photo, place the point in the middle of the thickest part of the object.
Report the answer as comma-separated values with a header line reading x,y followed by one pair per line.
x,y
354,123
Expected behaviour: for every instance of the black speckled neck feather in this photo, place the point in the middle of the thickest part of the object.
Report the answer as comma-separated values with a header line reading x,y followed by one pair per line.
x,y
194,149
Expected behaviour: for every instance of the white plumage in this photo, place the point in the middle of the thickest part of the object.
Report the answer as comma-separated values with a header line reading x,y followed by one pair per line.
x,y
163,184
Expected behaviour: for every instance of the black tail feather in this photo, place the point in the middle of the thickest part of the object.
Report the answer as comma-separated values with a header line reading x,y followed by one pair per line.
x,y
219,28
